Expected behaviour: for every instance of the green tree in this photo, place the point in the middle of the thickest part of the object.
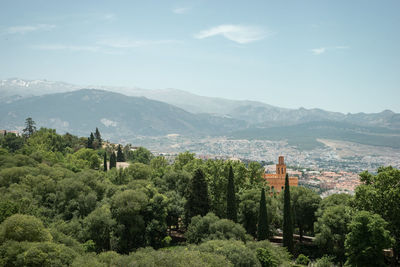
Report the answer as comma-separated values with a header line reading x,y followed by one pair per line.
x,y
305,203
113,160
139,155
211,227
331,229
183,159
19,227
197,198
255,172
231,210
98,226
287,218
126,208
12,142
30,127
138,171
333,200
90,141
249,206
43,254
217,172
140,212
366,240
91,158
120,154
105,161
97,137
380,194
7,208
262,229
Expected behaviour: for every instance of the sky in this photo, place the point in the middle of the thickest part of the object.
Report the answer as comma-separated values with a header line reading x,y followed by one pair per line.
x,y
337,55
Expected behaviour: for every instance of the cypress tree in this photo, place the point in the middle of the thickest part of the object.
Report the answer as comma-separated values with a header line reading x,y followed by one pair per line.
x,y
120,155
90,141
97,136
287,218
105,161
231,212
262,229
113,161
197,199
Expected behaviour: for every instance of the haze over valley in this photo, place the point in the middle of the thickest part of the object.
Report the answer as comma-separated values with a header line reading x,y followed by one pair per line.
x,y
173,121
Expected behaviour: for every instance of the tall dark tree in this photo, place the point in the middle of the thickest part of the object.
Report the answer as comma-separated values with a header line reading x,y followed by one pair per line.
x,y
97,136
262,229
120,154
105,161
287,218
197,202
90,141
113,160
231,209
30,127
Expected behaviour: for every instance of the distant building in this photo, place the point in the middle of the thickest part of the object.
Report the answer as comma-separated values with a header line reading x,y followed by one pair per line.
x,y
4,132
277,180
14,132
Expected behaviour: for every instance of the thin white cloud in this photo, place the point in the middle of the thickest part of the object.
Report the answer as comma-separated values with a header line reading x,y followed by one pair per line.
x,y
318,51
180,10
74,48
109,46
22,29
130,43
321,50
236,33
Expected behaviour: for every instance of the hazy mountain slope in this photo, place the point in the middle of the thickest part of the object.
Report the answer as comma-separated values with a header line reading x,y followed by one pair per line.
x,y
253,112
196,103
305,135
115,114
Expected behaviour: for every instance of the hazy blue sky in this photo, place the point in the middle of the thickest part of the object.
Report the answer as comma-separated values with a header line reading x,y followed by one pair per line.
x,y
336,55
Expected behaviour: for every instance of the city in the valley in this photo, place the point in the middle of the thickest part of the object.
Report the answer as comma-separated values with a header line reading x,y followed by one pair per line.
x,y
333,167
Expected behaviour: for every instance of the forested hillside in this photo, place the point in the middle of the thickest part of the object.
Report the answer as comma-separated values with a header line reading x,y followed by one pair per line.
x,y
60,205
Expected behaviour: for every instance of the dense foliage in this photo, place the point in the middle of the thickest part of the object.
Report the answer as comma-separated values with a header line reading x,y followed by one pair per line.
x,y
59,206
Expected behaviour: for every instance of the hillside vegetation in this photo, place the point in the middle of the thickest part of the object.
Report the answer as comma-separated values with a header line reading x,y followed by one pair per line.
x,y
60,206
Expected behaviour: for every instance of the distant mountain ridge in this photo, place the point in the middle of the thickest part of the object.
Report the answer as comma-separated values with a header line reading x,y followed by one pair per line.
x,y
117,115
253,112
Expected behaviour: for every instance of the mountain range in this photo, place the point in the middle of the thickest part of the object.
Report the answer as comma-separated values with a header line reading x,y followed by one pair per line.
x,y
121,112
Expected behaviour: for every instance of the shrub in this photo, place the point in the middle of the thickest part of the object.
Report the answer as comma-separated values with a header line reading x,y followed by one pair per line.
x,y
210,227
235,251
279,255
172,258
325,261
265,258
302,259
44,254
